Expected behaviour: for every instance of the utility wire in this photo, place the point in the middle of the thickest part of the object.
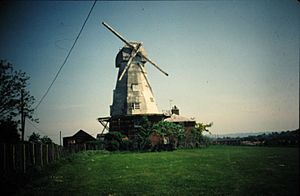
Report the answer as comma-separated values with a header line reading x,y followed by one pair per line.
x,y
71,49
38,129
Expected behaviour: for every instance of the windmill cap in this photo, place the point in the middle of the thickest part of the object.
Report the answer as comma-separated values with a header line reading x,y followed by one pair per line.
x,y
125,52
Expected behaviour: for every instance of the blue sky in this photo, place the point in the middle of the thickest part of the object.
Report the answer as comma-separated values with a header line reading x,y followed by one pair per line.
x,y
234,63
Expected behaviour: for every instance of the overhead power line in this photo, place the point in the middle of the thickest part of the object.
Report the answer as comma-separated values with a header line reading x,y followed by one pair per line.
x,y
64,62
38,129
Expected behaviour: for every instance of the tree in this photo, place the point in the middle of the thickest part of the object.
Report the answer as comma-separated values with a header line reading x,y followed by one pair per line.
x,y
36,138
46,140
9,131
165,128
15,100
142,133
197,133
170,132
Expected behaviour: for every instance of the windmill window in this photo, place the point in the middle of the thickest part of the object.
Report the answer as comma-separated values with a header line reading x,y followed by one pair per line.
x,y
151,99
135,106
135,87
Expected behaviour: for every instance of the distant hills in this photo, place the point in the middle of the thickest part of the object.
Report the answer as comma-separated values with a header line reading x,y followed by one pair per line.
x,y
269,138
243,134
246,134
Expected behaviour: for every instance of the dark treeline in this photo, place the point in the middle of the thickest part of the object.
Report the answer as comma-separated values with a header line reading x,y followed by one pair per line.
x,y
284,138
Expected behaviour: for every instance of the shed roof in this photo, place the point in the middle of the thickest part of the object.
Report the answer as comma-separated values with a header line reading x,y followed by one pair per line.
x,y
81,134
178,118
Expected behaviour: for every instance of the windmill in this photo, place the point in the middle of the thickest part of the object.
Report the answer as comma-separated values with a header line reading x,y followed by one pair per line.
x,y
133,96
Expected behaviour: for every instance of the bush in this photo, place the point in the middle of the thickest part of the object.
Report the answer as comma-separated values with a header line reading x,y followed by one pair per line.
x,y
96,145
113,141
126,145
114,135
112,145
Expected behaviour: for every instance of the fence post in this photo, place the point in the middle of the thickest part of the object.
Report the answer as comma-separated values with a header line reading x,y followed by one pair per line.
x,y
58,151
52,154
23,158
47,158
4,157
13,156
41,154
55,151
52,151
33,154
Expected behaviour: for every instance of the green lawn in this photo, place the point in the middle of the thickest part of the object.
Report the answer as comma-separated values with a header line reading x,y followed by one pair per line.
x,y
216,170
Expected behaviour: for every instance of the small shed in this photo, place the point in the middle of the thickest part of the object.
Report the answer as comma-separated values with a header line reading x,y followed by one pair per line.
x,y
80,137
184,121
187,123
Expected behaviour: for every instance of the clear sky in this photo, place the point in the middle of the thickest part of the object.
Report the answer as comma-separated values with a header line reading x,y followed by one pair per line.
x,y
233,63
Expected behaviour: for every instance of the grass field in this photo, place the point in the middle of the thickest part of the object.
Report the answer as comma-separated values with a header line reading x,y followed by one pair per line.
x,y
216,170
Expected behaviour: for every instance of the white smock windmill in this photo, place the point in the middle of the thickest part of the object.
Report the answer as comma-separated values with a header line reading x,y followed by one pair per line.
x,y
133,93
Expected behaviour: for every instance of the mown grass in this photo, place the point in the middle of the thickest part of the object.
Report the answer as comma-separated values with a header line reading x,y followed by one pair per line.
x,y
216,170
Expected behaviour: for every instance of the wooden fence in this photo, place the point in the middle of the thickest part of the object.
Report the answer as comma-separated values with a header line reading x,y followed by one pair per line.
x,y
74,148
22,156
